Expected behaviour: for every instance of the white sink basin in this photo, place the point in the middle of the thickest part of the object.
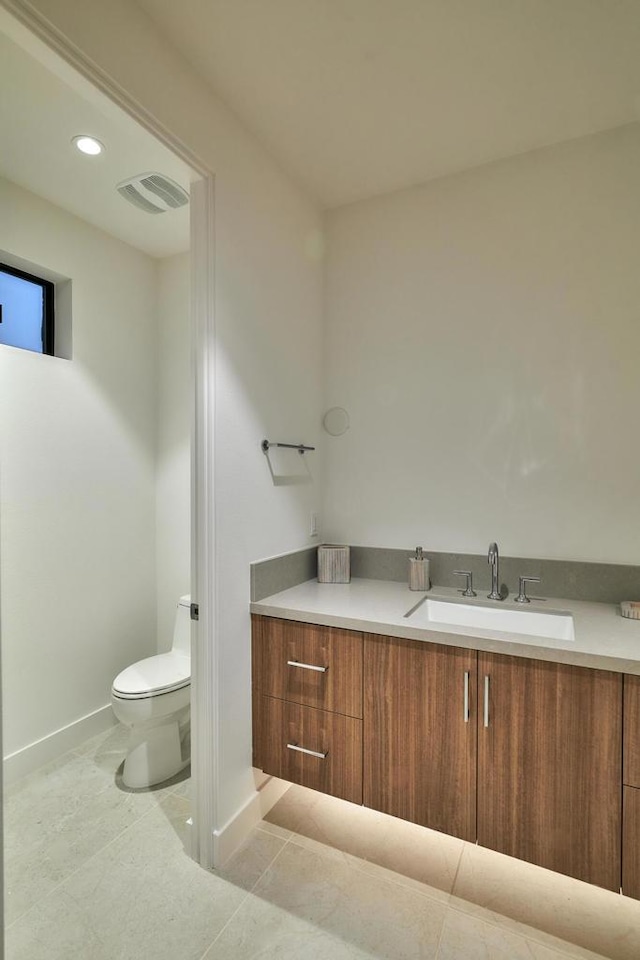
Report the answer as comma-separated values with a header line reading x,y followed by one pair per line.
x,y
431,613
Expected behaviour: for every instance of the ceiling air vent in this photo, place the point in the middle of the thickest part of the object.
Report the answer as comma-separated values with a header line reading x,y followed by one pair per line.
x,y
153,193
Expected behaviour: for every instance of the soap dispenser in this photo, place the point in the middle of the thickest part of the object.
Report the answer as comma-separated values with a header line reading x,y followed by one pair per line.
x,y
419,571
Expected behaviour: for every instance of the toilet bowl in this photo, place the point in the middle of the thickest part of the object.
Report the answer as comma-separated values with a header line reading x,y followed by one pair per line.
x,y
152,697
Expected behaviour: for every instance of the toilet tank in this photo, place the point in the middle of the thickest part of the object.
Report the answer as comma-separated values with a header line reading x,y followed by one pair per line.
x,y
182,629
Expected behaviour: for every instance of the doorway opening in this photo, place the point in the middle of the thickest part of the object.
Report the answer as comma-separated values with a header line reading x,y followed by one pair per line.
x,y
105,468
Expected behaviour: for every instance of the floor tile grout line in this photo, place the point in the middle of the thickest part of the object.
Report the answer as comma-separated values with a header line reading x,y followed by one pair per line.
x,y
352,860
211,943
80,867
248,893
451,896
532,935
441,934
10,788
447,902
458,865
541,942
399,883
78,753
542,936
84,863
262,829
562,954
270,864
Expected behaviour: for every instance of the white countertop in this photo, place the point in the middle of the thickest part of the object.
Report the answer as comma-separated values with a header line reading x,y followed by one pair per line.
x,y
603,638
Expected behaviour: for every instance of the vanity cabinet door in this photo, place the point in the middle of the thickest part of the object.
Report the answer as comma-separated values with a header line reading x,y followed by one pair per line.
x,y
420,733
632,731
631,843
550,765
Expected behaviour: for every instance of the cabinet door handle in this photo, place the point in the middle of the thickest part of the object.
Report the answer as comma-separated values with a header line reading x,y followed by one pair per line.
x,y
486,701
466,697
311,753
306,666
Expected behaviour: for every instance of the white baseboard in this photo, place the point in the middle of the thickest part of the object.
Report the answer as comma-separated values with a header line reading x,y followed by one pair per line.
x,y
227,840
29,758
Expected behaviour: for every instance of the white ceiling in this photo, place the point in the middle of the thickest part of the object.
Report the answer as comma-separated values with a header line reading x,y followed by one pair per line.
x,y
360,97
39,114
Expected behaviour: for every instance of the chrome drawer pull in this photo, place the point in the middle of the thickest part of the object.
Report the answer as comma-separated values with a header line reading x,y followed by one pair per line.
x,y
486,701
465,708
311,753
306,666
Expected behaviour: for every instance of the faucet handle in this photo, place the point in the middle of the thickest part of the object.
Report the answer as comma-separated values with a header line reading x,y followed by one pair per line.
x,y
522,596
468,591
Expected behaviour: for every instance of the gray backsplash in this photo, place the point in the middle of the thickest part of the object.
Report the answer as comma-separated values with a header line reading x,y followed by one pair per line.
x,y
575,580
279,573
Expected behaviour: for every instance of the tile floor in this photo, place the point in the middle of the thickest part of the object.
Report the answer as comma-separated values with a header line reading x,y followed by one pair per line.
x,y
94,872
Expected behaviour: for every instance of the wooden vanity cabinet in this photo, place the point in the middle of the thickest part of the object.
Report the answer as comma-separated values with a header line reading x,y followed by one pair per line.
x,y
420,733
631,790
549,765
307,705
523,755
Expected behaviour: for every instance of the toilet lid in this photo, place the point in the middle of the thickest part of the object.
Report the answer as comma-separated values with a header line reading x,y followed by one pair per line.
x,y
147,678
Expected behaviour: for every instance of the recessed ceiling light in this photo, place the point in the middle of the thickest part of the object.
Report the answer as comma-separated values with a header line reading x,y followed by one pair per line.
x,y
88,145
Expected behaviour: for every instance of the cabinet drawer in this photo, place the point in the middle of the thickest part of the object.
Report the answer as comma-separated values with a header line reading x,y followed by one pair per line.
x,y
336,739
631,750
312,665
631,842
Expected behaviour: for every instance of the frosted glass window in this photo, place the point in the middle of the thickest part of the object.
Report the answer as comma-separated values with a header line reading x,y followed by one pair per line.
x,y
26,311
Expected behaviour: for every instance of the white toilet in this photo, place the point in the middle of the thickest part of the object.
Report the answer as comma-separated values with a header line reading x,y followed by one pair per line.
x,y
153,698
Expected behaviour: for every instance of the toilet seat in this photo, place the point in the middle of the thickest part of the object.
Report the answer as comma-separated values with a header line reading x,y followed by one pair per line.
x,y
164,673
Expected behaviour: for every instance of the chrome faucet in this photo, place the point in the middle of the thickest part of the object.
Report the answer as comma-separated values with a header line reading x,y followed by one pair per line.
x,y
492,558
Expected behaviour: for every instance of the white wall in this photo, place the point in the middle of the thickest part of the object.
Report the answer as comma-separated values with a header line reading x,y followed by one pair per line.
x,y
173,472
269,346
483,333
77,474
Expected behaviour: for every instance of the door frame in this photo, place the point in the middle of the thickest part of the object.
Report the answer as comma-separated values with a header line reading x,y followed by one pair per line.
x,y
204,648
